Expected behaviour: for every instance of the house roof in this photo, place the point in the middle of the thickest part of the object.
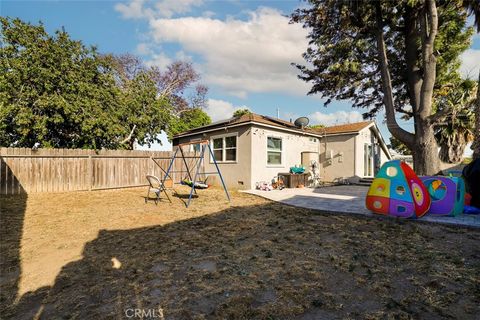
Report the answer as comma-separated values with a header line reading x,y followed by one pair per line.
x,y
346,128
279,123
247,118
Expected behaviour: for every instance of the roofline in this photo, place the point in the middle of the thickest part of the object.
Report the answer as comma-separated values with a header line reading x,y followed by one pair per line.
x,y
252,122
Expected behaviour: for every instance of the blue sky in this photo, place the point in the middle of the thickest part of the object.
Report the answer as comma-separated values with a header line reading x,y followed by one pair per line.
x,y
243,49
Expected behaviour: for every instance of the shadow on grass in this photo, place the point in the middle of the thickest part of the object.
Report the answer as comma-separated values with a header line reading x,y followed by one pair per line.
x,y
264,262
12,214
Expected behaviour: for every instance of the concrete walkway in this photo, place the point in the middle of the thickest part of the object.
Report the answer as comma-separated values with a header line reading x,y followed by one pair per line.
x,y
346,199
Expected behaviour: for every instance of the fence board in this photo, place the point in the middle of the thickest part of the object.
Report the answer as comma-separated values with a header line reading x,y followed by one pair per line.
x,y
59,170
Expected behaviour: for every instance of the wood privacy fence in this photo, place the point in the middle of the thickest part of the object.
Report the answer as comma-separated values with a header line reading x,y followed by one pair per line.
x,y
23,170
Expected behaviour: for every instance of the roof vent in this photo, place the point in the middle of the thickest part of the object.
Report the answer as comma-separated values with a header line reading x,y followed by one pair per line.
x,y
301,122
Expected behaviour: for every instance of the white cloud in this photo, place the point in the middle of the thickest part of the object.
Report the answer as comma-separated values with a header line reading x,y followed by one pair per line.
x,y
221,110
160,60
134,10
143,49
339,117
208,14
470,63
167,8
137,9
182,55
241,56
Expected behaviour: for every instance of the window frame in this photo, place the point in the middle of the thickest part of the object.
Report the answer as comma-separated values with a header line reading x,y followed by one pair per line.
x,y
224,148
193,146
276,165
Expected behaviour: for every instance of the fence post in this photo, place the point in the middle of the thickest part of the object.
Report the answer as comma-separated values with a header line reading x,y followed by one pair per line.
x,y
90,172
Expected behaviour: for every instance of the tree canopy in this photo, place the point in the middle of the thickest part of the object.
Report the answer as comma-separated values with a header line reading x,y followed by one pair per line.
x,y
241,112
399,147
388,55
60,93
458,127
190,118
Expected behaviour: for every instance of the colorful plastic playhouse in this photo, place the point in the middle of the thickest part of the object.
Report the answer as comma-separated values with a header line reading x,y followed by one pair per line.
x,y
397,191
447,194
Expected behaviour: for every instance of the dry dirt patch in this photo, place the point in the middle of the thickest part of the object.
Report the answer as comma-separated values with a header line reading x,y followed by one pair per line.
x,y
95,254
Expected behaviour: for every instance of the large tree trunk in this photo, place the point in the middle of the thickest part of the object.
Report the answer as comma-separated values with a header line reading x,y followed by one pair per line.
x,y
426,161
425,149
422,143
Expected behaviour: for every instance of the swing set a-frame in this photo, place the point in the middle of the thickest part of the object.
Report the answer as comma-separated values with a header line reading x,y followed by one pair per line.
x,y
196,162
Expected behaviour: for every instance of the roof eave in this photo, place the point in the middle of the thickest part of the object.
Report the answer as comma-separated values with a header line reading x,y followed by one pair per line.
x,y
251,122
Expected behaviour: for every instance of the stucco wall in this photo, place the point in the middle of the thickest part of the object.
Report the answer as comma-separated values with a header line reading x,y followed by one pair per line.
x,y
338,166
236,174
251,164
292,146
365,136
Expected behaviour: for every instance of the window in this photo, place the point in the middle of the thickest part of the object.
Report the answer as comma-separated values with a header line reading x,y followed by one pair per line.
x,y
225,148
274,151
367,160
195,148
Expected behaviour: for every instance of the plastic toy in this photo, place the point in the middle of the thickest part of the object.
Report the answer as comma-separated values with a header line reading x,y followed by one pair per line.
x,y
447,194
471,210
297,170
468,199
397,191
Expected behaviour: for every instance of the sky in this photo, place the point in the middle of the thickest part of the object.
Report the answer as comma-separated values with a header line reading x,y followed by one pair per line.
x,y
242,49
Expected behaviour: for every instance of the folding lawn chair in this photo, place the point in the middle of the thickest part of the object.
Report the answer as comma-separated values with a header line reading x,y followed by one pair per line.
x,y
156,186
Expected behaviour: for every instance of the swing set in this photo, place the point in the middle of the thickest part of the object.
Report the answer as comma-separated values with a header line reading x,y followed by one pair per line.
x,y
196,162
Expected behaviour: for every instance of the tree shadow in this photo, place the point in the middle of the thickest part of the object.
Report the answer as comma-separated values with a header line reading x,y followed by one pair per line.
x,y
265,261
12,214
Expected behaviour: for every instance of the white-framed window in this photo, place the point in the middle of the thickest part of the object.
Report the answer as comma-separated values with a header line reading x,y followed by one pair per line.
x,y
274,151
224,148
195,147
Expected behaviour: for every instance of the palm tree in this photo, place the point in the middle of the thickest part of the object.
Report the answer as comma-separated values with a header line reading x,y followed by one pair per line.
x,y
458,129
476,138
473,8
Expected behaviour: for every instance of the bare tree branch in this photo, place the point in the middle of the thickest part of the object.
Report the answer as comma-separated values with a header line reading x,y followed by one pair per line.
x,y
129,137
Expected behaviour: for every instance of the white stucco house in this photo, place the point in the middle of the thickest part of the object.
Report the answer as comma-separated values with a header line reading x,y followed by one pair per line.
x,y
254,148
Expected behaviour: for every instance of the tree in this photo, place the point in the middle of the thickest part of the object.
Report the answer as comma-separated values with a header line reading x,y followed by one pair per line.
x,y
59,93
241,112
52,90
391,55
399,147
191,118
476,139
457,129
161,97
143,113
179,85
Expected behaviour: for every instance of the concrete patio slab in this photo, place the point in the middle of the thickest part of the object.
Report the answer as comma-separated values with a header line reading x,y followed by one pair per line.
x,y
346,199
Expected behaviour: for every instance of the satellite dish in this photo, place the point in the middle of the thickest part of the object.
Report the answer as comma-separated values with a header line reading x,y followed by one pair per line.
x,y
301,122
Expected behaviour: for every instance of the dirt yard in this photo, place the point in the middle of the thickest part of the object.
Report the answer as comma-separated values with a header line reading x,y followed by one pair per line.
x,y
107,255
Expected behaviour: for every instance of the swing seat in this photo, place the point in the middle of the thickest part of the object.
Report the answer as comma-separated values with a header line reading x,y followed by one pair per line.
x,y
198,184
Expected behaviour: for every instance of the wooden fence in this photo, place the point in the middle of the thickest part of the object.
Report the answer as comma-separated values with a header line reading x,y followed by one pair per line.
x,y
23,170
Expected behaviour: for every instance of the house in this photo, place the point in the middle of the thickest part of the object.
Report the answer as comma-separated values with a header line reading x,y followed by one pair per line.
x,y
253,148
